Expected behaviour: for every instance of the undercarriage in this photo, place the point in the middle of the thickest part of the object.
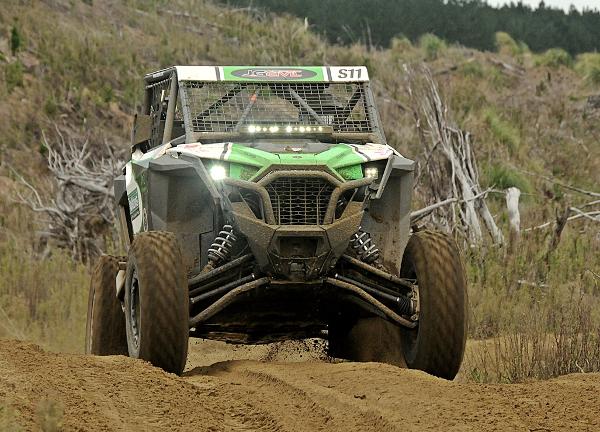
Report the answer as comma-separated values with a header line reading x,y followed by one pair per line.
x,y
239,306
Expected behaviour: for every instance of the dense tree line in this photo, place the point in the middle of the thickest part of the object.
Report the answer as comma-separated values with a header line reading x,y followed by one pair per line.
x,y
472,23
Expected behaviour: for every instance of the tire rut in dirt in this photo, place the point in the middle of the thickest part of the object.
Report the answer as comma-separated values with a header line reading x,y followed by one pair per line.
x,y
155,259
105,326
318,405
276,392
437,345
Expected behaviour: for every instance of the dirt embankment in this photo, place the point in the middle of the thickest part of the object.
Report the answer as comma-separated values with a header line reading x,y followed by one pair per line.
x,y
285,387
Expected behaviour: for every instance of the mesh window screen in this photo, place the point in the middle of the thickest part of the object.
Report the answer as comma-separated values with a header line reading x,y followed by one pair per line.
x,y
158,109
228,107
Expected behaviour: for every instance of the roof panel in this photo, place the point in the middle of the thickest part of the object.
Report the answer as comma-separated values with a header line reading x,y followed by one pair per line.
x,y
267,73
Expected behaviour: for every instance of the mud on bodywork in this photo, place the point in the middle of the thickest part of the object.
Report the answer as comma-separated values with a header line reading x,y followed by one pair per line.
x,y
297,208
296,199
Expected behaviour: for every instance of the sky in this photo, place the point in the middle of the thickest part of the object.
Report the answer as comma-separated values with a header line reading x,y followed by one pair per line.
x,y
564,4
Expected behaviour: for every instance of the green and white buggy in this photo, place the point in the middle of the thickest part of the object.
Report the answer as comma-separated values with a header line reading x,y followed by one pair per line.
x,y
263,204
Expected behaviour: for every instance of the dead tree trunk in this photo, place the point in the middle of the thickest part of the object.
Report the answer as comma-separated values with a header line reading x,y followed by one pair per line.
x,y
448,169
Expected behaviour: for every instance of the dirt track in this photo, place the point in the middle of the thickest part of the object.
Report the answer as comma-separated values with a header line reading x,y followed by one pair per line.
x,y
288,387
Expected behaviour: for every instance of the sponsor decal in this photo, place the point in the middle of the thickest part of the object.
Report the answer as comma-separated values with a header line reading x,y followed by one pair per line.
x,y
273,74
134,204
209,151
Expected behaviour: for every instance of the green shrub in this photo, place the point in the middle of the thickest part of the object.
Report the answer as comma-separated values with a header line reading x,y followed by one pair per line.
x,y
50,106
503,177
15,40
472,69
588,65
503,131
554,58
400,44
13,75
505,44
431,45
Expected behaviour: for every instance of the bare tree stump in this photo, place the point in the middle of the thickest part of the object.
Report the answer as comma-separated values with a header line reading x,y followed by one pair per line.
x,y
514,217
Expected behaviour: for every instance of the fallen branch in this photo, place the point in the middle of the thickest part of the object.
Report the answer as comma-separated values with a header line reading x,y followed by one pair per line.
x,y
421,213
593,203
453,68
585,215
515,70
561,184
571,218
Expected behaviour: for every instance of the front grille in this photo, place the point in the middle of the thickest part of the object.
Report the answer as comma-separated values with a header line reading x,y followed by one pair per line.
x,y
300,200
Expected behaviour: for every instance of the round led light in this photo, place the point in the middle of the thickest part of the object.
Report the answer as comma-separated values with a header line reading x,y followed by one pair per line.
x,y
218,172
320,128
274,129
372,172
251,128
302,129
289,129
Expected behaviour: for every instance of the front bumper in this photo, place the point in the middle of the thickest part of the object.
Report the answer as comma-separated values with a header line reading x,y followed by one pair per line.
x,y
297,252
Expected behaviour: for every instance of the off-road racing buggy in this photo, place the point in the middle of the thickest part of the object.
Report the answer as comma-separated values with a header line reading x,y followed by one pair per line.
x,y
263,204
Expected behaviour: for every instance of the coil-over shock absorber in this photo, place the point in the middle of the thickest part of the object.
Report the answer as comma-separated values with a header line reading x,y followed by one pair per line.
x,y
363,245
220,250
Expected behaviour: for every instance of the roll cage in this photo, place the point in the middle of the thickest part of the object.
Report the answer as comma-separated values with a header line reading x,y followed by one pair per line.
x,y
211,103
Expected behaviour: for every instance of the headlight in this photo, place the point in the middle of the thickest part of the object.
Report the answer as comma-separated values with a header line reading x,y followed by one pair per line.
x,y
372,172
218,172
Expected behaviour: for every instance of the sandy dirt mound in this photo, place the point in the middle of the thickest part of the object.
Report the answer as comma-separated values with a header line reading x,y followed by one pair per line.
x,y
279,387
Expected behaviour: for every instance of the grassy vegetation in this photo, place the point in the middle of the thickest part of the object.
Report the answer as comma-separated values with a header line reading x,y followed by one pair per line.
x,y
503,131
554,58
431,45
507,46
535,318
42,299
539,317
588,65
502,177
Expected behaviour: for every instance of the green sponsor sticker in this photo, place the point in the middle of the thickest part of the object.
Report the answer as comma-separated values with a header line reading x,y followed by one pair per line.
x,y
279,73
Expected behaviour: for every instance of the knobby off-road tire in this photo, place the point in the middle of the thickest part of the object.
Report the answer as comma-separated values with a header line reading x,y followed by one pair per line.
x,y
437,345
156,301
105,328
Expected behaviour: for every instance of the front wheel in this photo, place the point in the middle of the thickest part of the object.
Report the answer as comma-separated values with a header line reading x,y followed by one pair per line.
x,y
437,344
156,301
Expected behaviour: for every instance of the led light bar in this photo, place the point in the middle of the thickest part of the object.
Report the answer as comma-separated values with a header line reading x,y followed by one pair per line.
x,y
289,130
